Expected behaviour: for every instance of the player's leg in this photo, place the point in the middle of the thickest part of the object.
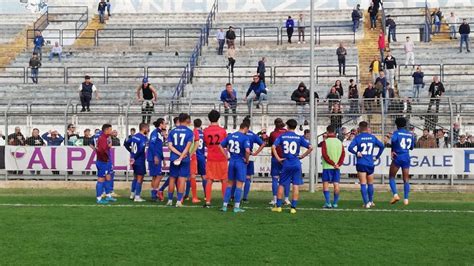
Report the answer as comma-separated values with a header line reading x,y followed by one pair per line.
x,y
181,187
162,189
99,188
230,184
406,184
187,189
248,180
241,177
295,198
155,183
138,189
285,179
171,187
202,173
108,188
275,188
133,187
275,169
370,189
393,184
336,179
296,180
363,188
208,192
286,192
195,198
326,176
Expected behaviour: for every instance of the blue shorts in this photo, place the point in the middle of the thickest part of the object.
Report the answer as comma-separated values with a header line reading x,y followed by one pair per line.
x,y
331,175
237,171
291,174
139,168
250,169
369,170
201,166
402,161
275,168
182,170
103,168
153,169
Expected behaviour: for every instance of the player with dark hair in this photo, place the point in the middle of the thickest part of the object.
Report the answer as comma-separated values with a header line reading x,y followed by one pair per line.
x,y
136,145
167,181
197,146
275,167
104,166
253,139
333,156
363,146
402,142
291,172
155,156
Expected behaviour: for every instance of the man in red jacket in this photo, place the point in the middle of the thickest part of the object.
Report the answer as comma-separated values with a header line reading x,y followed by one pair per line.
x,y
381,42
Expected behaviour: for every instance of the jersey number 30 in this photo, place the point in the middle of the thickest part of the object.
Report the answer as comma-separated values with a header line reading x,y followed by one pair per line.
x,y
289,147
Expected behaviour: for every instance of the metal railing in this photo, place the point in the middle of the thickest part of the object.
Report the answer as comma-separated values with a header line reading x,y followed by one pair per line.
x,y
331,33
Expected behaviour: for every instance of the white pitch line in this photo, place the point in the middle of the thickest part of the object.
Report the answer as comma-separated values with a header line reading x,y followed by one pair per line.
x,y
35,205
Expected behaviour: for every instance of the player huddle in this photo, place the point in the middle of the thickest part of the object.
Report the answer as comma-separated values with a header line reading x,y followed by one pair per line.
x,y
228,158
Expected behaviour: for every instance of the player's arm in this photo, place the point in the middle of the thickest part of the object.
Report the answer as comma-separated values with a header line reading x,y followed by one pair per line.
x,y
196,143
223,147
325,155
185,151
393,142
381,146
275,153
127,144
352,147
247,155
307,152
173,149
341,159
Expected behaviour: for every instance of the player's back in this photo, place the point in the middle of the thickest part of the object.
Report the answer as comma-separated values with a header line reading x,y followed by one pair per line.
x,y
201,150
213,136
237,143
274,136
365,143
155,145
402,142
137,144
290,142
102,147
180,136
253,139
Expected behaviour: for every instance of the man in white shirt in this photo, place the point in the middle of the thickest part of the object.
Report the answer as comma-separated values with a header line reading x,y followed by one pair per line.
x,y
452,21
409,48
56,50
86,89
220,36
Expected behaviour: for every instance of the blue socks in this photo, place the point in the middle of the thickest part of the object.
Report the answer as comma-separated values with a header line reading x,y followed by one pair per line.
x,y
237,197
406,189
336,198
363,191
228,194
154,194
134,185
287,190
370,190
99,187
247,187
170,195
275,186
232,192
138,189
165,185
393,185
188,188
180,196
279,202
294,203
327,196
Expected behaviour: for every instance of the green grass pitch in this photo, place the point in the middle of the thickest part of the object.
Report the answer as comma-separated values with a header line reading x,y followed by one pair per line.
x,y
65,227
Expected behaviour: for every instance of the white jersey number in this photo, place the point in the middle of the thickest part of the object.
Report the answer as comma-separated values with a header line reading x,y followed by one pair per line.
x,y
234,146
290,147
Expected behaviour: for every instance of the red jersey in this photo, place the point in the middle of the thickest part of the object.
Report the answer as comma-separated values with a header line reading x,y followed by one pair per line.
x,y
213,136
103,148
196,142
273,136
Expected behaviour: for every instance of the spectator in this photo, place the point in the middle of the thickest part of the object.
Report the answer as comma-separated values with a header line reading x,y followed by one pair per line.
x,y
16,138
373,16
35,139
381,84
355,19
456,132
392,27
452,22
375,67
307,135
436,91
336,118
464,31
390,95
53,138
34,64
87,139
229,99
387,141
261,69
38,43
114,138
426,141
85,93
354,100
56,50
339,88
437,16
369,97
256,91
442,140
108,8
463,143
263,135
381,44
301,97
230,37
301,28
409,48
72,136
146,95
231,59
418,82
220,37
290,24
341,58
377,4
390,65
332,97
101,9
2,139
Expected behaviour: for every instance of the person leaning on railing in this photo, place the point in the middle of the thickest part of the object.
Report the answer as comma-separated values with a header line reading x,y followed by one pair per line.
x,y
229,99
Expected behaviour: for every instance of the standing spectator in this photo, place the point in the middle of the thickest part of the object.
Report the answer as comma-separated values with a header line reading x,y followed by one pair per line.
x,y
101,9
34,64
452,22
389,103
35,139
256,91
53,138
301,28
381,84
464,31
231,59
392,28
463,143
339,88
373,16
229,99
390,65
442,140
336,118
108,8
381,44
333,97
369,97
377,4
230,37
87,139
290,24
387,141
341,59
375,67
426,141
72,136
56,50
146,95
354,100
261,69
114,138
436,91
220,37
16,138
38,43
85,93
301,97
355,19
409,48
437,16
418,82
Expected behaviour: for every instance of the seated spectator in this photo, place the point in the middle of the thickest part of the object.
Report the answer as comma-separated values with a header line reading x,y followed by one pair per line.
x,y
336,118
114,138
339,89
35,139
463,142
16,138
442,140
301,97
56,50
256,91
87,139
387,141
354,100
53,138
229,99
456,132
263,135
307,135
72,136
427,141
333,97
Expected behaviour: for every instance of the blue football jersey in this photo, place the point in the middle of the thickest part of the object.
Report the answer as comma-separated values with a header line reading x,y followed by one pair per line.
x,y
136,145
95,138
290,143
402,142
254,139
366,143
201,150
237,144
155,146
179,137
